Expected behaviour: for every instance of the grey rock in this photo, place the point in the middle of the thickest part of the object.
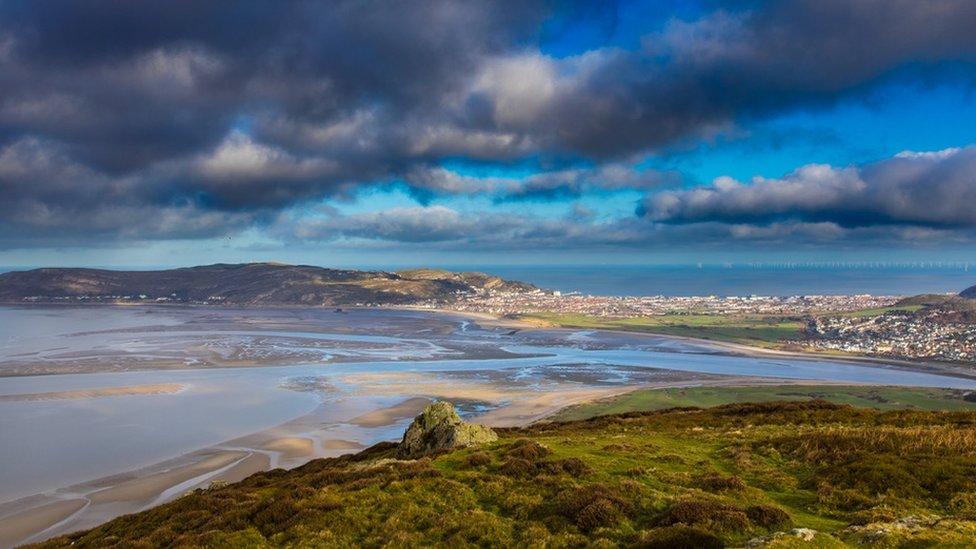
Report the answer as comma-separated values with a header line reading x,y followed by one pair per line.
x,y
438,428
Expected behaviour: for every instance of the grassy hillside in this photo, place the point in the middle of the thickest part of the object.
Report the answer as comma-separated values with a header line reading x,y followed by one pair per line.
x,y
881,398
245,284
674,478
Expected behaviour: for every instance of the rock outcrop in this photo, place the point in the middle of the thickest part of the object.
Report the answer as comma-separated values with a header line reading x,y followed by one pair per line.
x,y
438,428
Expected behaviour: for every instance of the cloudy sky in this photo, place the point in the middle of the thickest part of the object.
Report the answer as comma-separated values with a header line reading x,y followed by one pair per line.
x,y
452,132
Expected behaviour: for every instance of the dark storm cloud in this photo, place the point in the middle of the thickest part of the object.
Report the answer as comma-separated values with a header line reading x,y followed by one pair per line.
x,y
429,182
438,225
140,100
694,78
930,190
130,83
47,198
226,114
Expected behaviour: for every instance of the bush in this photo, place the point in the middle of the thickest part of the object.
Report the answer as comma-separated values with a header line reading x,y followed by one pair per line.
x,y
679,537
716,482
601,512
843,499
518,468
575,467
527,449
769,517
591,506
478,459
705,513
273,515
637,472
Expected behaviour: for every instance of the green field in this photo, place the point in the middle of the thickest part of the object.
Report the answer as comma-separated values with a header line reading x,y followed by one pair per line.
x,y
882,310
757,330
882,398
681,478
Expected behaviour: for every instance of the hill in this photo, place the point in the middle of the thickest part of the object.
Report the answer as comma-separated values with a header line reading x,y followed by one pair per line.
x,y
248,284
775,473
969,293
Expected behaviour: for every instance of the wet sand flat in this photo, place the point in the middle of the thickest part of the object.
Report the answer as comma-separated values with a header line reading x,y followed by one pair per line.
x,y
154,389
388,416
255,463
534,408
147,488
337,444
18,527
291,447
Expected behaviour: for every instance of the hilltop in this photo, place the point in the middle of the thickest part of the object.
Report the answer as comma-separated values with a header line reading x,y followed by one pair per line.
x,y
969,293
249,284
773,474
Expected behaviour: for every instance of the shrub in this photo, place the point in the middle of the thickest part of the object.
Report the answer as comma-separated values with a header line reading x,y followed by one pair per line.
x,y
705,513
591,506
527,449
601,512
716,482
637,472
679,537
768,516
517,467
575,467
844,499
478,459
273,515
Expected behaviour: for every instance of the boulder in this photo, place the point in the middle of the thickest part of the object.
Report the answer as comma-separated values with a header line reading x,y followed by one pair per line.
x,y
439,428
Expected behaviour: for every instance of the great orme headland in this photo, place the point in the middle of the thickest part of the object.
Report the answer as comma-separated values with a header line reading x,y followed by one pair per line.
x,y
462,273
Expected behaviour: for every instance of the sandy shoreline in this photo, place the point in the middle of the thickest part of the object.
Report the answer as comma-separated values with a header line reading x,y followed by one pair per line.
x,y
288,445
152,389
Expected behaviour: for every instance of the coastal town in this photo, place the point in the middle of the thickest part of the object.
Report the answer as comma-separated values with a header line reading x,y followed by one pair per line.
x,y
930,335
504,303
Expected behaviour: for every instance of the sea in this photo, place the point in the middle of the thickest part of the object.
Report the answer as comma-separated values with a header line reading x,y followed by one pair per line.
x,y
739,280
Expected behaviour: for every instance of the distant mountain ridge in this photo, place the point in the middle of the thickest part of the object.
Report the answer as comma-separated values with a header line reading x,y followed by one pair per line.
x,y
249,284
969,292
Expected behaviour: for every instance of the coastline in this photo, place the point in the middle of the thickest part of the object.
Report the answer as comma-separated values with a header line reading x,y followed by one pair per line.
x,y
316,434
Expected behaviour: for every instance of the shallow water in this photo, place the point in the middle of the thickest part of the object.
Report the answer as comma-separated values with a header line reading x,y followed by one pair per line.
x,y
52,443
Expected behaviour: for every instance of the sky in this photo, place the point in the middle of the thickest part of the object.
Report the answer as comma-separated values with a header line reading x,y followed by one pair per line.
x,y
359,133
